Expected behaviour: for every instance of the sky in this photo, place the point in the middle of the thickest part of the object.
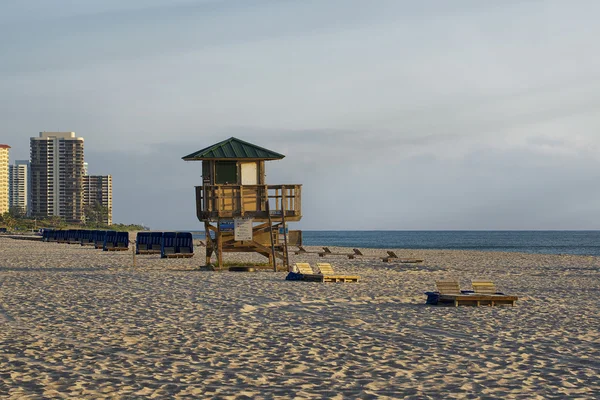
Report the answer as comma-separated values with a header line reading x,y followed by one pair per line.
x,y
392,114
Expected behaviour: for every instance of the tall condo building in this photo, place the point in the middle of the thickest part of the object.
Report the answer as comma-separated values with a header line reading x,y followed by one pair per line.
x,y
97,190
4,149
57,176
18,186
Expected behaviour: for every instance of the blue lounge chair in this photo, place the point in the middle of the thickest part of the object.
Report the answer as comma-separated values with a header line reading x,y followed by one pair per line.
x,y
142,242
184,245
122,241
155,242
47,233
110,240
167,244
86,238
73,236
98,238
116,241
61,236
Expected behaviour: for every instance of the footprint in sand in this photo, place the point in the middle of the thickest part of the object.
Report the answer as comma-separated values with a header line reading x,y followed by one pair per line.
x,y
247,308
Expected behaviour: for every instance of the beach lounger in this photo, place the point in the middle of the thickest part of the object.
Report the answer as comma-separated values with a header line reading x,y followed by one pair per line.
x,y
167,244
85,238
325,268
481,287
110,237
98,238
122,241
304,268
148,242
327,252
116,241
142,241
391,254
326,274
74,236
184,245
448,292
47,234
329,275
61,236
304,272
155,242
302,250
484,287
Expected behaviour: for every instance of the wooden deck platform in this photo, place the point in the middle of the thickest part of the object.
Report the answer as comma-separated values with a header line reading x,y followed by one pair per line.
x,y
330,278
477,299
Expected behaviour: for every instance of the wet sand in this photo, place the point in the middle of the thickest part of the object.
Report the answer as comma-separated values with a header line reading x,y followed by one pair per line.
x,y
76,322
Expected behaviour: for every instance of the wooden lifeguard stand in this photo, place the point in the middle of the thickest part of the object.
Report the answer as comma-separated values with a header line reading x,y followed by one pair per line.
x,y
243,213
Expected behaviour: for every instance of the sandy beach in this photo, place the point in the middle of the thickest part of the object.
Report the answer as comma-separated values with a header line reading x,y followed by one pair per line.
x,y
76,322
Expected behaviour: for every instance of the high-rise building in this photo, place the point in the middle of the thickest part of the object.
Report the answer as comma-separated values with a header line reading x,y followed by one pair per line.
x,y
4,149
97,191
57,176
18,186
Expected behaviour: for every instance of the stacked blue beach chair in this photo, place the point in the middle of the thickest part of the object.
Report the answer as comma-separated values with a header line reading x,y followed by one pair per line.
x,y
155,242
98,239
184,244
73,236
86,238
61,236
53,236
148,242
47,234
177,245
122,241
110,240
143,243
167,244
116,241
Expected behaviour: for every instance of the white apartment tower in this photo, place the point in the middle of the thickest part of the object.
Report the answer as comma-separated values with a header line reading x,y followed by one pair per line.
x,y
57,176
4,149
18,186
97,190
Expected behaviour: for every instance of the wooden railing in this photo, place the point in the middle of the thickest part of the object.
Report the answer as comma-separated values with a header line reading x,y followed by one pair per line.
x,y
229,201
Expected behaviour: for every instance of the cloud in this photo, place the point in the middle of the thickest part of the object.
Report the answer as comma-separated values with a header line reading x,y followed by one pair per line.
x,y
432,115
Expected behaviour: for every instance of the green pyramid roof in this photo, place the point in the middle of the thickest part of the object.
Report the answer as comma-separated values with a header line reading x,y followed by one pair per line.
x,y
233,149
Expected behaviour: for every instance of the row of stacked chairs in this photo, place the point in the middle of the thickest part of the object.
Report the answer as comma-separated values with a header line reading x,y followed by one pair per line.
x,y
105,240
168,244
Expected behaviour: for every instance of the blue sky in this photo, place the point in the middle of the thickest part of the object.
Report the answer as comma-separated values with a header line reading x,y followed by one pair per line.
x,y
392,114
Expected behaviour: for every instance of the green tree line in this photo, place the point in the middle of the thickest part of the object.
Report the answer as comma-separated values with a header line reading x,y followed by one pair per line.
x,y
16,220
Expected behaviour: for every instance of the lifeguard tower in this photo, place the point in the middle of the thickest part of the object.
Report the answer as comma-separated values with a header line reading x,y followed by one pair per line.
x,y
241,213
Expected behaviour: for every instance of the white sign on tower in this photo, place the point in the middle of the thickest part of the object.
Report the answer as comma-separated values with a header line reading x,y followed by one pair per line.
x,y
242,229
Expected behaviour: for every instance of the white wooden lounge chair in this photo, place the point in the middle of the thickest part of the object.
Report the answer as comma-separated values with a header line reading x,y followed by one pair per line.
x,y
304,268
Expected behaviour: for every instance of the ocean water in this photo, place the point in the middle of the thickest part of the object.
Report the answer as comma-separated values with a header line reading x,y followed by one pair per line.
x,y
539,242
